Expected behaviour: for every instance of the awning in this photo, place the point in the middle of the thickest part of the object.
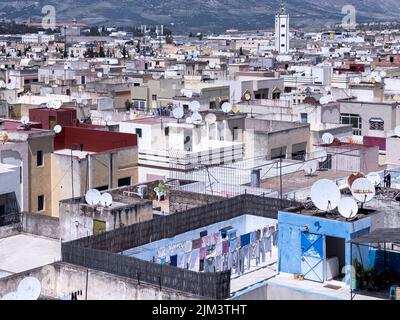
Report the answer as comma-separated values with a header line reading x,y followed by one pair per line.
x,y
384,235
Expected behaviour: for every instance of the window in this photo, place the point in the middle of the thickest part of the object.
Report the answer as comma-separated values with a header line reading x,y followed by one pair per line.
x,y
166,131
2,210
139,132
154,97
282,45
139,104
354,120
283,35
124,182
303,117
39,158
376,124
283,26
41,203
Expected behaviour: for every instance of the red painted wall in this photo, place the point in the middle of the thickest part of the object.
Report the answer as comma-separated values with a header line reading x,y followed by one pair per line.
x,y
64,116
375,141
93,140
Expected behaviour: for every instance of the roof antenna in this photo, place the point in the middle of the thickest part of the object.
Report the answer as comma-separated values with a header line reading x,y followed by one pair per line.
x,y
282,8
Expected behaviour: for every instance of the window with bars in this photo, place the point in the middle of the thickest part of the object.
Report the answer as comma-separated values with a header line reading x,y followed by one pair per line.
x,y
354,120
376,124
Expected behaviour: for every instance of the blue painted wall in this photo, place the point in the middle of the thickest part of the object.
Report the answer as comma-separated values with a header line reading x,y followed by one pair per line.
x,y
291,225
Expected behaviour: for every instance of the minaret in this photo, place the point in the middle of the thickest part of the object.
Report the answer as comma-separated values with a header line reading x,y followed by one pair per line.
x,y
282,30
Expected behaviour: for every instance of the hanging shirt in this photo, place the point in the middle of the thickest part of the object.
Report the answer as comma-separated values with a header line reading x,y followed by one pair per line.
x,y
218,249
225,246
209,265
163,260
218,263
252,237
203,252
217,237
187,246
275,238
258,234
245,239
174,260
232,244
181,261
194,260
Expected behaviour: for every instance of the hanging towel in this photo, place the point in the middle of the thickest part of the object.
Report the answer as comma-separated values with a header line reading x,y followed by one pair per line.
x,y
225,246
163,260
232,244
217,237
245,239
174,260
181,261
203,252
196,244
218,248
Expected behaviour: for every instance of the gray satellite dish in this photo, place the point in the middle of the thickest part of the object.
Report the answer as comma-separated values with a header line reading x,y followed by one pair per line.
x,y
189,120
348,208
29,288
93,197
57,128
106,200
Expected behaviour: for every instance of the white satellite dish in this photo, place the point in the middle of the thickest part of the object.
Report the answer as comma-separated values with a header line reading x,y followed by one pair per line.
x,y
363,190
325,195
328,89
397,131
194,106
210,118
24,120
357,80
327,138
93,197
375,178
57,104
11,296
2,84
57,128
226,107
189,94
108,117
29,288
326,99
99,74
197,118
106,200
178,112
310,167
320,155
348,207
9,86
188,120
211,64
383,74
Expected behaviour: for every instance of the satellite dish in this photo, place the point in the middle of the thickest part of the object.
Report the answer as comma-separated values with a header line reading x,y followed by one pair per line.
x,y
189,94
108,117
327,138
397,131
226,107
2,84
24,120
57,104
375,178
197,118
211,64
328,89
383,74
93,197
99,74
11,296
325,195
363,190
9,86
188,120
178,112
326,99
106,200
357,80
320,155
247,96
353,177
29,288
210,118
310,167
348,208
57,128
194,106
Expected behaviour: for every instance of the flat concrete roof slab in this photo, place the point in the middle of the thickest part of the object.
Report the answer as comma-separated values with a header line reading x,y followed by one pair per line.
x,y
24,252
